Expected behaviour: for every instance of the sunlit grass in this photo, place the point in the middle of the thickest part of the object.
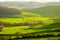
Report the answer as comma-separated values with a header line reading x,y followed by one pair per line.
x,y
24,29
21,29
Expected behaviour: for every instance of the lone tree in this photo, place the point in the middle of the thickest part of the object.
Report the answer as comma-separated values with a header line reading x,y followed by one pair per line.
x,y
1,25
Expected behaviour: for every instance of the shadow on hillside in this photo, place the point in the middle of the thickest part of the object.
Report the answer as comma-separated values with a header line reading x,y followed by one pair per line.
x,y
6,11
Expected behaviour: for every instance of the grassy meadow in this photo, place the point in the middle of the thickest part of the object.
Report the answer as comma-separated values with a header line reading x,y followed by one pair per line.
x,y
32,25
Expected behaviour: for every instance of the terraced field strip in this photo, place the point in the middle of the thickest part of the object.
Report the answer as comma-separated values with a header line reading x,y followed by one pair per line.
x,y
28,35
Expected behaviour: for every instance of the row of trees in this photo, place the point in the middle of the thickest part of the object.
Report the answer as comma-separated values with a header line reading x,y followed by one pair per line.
x,y
22,24
27,23
2,24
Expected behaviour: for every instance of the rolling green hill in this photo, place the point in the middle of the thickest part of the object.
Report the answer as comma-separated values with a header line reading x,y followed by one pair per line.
x,y
25,17
41,20
48,11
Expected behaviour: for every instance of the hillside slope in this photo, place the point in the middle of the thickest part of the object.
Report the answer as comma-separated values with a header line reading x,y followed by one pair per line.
x,y
48,11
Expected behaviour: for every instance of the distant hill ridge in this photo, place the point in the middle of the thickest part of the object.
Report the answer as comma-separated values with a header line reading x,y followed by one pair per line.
x,y
29,4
